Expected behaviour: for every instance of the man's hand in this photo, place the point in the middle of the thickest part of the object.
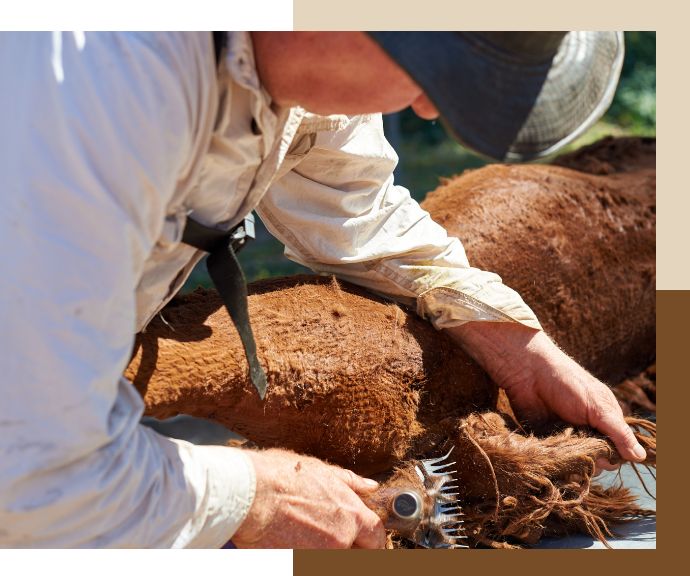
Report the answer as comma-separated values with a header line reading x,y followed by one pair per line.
x,y
301,502
541,381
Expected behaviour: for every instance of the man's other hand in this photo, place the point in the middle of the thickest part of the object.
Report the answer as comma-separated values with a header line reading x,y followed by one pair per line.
x,y
541,381
301,502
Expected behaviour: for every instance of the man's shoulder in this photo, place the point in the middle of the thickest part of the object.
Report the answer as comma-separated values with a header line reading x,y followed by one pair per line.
x,y
178,56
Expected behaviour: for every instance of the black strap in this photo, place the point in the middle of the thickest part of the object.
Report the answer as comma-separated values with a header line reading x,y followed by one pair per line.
x,y
220,41
226,274
224,268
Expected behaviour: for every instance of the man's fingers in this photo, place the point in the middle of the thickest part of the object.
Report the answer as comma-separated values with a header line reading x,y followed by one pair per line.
x,y
372,533
614,426
357,483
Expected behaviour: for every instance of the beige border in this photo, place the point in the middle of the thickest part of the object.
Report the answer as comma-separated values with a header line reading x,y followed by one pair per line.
x,y
481,14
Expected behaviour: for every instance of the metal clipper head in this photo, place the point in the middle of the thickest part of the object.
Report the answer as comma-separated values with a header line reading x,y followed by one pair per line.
x,y
441,526
425,509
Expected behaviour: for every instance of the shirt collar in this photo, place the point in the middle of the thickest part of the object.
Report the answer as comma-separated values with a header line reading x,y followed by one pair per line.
x,y
241,65
240,62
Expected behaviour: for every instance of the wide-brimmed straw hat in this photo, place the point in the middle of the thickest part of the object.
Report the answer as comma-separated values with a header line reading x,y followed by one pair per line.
x,y
512,96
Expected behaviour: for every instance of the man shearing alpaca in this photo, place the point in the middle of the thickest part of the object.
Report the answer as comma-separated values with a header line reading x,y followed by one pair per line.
x,y
115,144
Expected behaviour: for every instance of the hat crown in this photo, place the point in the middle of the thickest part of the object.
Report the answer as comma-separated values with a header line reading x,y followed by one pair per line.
x,y
527,46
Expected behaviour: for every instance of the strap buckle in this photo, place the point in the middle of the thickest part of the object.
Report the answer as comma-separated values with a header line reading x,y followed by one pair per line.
x,y
241,234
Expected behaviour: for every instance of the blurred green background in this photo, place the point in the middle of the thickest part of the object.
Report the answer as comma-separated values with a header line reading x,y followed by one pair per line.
x,y
426,152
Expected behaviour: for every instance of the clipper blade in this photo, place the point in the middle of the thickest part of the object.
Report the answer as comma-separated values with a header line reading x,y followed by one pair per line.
x,y
443,526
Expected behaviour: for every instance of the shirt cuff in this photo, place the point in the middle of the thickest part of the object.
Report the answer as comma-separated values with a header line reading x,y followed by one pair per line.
x,y
224,481
446,307
453,295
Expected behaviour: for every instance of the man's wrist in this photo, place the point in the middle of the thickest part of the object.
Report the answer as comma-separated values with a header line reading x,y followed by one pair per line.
x,y
509,351
264,504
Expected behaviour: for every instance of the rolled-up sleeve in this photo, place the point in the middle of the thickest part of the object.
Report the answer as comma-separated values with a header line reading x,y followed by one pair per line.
x,y
339,211
97,131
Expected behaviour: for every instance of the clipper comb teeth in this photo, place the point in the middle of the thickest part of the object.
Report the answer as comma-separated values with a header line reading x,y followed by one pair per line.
x,y
443,526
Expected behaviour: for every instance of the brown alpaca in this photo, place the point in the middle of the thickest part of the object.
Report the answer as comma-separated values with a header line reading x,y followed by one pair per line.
x,y
579,248
362,383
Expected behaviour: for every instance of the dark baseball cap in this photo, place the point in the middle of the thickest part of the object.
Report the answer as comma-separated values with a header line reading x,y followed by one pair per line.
x,y
512,96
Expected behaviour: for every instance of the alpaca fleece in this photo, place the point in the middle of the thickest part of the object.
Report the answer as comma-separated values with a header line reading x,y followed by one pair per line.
x,y
363,383
580,248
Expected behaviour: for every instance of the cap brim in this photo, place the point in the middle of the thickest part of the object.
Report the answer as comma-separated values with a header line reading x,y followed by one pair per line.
x,y
507,109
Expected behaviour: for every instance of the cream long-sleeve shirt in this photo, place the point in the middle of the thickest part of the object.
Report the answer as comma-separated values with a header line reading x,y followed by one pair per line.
x,y
109,142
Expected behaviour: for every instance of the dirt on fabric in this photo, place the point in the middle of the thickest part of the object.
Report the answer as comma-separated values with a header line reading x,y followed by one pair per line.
x,y
362,383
